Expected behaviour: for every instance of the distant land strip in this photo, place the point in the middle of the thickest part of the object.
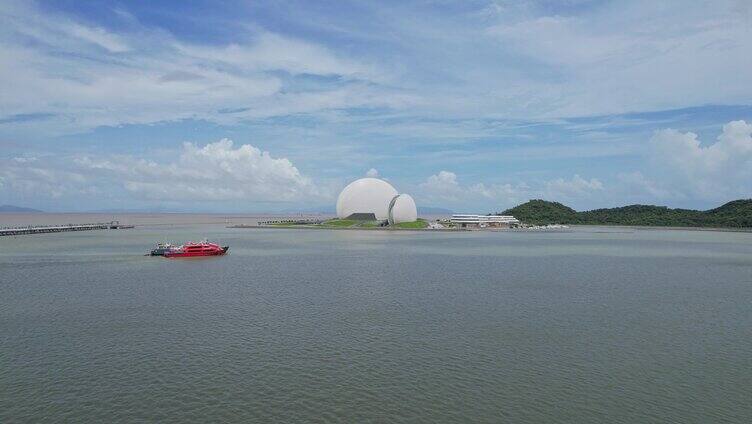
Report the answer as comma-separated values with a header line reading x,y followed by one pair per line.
x,y
17,209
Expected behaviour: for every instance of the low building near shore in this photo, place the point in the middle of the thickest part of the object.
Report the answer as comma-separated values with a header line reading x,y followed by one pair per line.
x,y
484,221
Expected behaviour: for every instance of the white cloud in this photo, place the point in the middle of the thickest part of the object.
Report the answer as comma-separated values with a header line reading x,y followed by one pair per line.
x,y
100,37
84,76
271,51
636,185
217,171
40,180
573,188
641,55
721,170
373,173
493,191
517,61
445,187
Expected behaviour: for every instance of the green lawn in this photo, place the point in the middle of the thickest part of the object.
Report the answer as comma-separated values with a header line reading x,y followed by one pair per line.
x,y
369,224
419,224
351,223
339,223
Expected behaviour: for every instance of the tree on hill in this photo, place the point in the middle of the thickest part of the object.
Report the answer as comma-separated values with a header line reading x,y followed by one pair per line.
x,y
737,213
542,212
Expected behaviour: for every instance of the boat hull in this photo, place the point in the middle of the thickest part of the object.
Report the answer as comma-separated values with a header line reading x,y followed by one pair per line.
x,y
186,254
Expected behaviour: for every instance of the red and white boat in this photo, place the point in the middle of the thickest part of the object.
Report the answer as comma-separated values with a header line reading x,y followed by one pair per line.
x,y
191,249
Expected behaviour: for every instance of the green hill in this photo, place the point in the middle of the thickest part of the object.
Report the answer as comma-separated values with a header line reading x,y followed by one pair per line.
x,y
733,214
540,212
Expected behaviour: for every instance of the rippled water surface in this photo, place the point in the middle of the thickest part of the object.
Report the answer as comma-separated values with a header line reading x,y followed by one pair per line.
x,y
582,326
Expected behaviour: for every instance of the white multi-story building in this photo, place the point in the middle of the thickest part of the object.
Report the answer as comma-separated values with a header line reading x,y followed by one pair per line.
x,y
482,221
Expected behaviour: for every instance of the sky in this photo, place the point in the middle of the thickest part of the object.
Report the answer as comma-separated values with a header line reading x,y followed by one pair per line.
x,y
473,106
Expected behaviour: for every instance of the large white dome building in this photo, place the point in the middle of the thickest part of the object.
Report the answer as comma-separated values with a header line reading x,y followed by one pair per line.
x,y
402,209
366,195
374,196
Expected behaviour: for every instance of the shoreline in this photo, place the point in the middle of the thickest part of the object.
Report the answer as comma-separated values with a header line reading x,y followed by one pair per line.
x,y
312,227
497,230
673,228
250,221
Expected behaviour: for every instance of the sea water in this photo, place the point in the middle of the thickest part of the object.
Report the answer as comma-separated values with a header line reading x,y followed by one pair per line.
x,y
587,325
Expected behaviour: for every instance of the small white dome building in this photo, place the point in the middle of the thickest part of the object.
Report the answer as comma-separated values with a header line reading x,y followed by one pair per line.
x,y
402,209
366,196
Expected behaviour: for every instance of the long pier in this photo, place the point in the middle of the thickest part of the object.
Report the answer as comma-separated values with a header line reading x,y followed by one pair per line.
x,y
42,229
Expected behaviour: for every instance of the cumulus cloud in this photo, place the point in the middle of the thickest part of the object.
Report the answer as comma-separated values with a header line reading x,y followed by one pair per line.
x,y
217,171
574,187
680,168
444,186
28,179
373,173
496,191
719,170
636,185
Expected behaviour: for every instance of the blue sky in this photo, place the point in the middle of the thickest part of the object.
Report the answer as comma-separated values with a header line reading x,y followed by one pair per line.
x,y
471,105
